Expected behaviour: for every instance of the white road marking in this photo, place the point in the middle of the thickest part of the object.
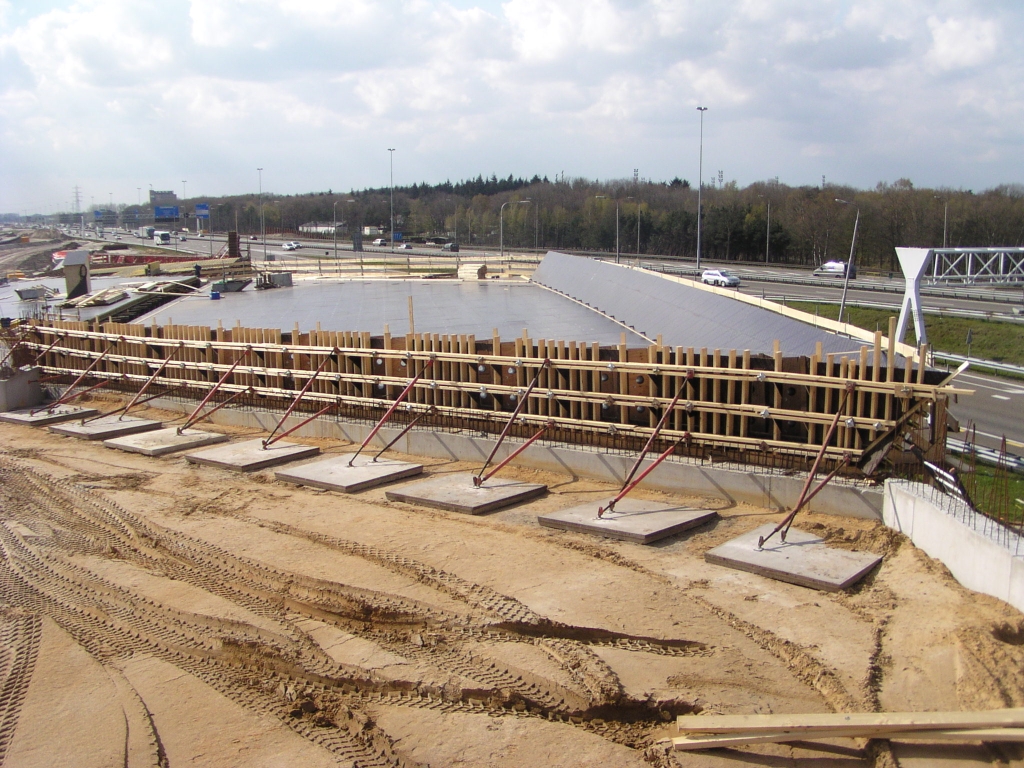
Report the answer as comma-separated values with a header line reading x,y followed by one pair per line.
x,y
1000,397
988,384
1014,443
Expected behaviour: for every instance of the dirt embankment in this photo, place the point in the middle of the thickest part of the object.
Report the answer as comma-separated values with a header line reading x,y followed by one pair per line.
x,y
234,620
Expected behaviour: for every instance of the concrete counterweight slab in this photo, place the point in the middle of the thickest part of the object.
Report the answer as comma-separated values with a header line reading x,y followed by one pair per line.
x,y
802,559
105,427
161,441
250,455
632,520
334,474
457,493
44,418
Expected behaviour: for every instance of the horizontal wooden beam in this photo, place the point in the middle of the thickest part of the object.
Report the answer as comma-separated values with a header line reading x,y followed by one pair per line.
x,y
903,721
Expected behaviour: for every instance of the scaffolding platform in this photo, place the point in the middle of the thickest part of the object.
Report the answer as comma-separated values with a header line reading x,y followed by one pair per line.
x,y
162,441
105,428
631,520
43,418
801,559
251,456
457,493
334,473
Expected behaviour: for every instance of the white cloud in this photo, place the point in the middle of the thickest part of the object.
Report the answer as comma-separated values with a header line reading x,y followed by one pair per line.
x,y
313,90
962,43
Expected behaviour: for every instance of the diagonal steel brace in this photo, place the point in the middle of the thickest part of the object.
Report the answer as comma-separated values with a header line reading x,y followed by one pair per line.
x,y
394,405
271,440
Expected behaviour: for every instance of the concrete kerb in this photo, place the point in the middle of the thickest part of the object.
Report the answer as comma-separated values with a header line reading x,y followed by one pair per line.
x,y
734,486
974,558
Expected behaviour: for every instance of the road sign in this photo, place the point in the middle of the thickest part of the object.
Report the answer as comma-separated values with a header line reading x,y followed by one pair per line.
x,y
163,212
202,210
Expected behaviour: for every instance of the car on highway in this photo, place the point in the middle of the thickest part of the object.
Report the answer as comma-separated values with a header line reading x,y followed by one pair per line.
x,y
722,277
453,247
835,269
292,246
405,247
254,237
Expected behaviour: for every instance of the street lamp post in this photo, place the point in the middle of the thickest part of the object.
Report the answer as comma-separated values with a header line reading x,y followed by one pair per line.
x,y
849,263
945,219
391,154
501,226
768,230
263,226
605,197
700,179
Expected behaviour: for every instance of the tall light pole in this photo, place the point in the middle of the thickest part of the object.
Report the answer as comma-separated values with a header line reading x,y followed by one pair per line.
x,y
391,154
849,263
501,226
700,180
263,226
183,194
768,229
605,197
337,263
945,219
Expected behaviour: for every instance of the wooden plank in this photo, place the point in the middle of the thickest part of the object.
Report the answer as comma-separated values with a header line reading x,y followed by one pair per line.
x,y
735,740
901,721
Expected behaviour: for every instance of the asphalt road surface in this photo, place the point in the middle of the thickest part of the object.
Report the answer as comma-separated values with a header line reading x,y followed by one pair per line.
x,y
996,409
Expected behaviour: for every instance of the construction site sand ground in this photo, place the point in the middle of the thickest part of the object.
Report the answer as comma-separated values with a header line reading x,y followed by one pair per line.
x,y
158,613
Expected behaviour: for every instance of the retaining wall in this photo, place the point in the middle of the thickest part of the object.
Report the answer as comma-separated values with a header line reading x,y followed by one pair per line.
x,y
760,489
979,553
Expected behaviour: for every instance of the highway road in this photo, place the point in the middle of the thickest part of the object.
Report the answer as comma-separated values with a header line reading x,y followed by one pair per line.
x,y
995,409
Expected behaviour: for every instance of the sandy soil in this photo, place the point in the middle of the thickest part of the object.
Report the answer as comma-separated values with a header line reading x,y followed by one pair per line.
x,y
161,614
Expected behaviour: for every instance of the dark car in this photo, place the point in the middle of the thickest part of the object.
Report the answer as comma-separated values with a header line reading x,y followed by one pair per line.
x,y
450,247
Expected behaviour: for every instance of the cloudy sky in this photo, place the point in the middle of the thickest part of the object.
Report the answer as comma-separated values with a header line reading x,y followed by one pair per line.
x,y
118,95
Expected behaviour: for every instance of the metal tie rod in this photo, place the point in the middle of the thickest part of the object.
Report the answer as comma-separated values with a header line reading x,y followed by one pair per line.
x,y
271,440
391,410
194,417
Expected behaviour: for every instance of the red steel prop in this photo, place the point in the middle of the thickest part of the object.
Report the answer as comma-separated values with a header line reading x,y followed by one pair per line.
x,y
391,410
67,397
478,481
271,440
512,420
135,400
657,430
195,414
803,499
635,483
56,341
410,425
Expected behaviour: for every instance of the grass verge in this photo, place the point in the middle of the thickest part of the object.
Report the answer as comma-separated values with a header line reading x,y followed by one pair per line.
x,y
990,339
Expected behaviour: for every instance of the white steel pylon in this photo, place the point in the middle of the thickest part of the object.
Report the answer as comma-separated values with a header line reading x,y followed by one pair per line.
x,y
914,262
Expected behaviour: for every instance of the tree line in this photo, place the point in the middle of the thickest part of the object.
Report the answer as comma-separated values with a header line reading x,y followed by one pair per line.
x,y
762,221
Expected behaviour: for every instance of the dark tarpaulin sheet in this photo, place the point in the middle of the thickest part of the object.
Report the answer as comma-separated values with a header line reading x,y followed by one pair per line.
x,y
685,316
439,306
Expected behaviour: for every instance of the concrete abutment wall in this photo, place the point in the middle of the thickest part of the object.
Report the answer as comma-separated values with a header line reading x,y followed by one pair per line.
x,y
759,489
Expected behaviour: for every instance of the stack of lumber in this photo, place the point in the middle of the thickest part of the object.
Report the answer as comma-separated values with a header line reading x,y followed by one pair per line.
x,y
712,731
